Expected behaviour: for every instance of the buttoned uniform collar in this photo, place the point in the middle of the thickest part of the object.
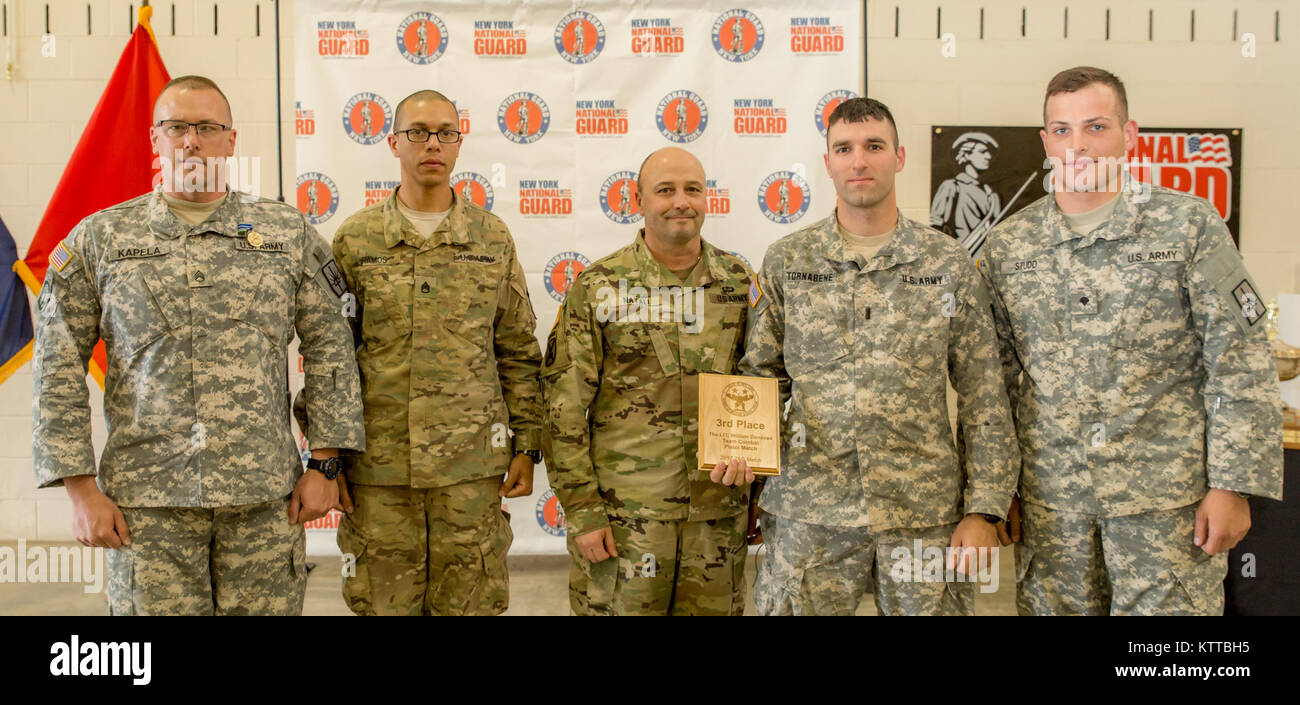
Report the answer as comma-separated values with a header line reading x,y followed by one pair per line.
x,y
225,220
649,270
902,248
1118,227
452,229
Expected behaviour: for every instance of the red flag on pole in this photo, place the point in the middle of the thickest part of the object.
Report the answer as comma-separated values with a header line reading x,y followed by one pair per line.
x,y
113,161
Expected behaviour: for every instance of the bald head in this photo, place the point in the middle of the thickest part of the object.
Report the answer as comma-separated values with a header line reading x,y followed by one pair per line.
x,y
669,160
182,85
424,96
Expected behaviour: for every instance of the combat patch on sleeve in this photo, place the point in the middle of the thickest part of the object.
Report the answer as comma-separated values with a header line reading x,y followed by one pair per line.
x,y
1252,309
334,277
557,348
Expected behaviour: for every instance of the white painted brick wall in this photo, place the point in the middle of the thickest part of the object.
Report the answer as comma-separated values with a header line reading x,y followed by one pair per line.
x,y
997,80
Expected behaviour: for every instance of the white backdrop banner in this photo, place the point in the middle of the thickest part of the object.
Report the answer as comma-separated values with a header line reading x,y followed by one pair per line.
x,y
559,103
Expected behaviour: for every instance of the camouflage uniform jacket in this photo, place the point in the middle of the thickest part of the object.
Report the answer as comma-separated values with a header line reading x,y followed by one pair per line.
x,y
448,347
863,350
196,321
622,388
1134,357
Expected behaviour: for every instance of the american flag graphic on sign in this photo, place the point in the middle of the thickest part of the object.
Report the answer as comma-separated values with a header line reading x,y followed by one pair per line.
x,y
1208,149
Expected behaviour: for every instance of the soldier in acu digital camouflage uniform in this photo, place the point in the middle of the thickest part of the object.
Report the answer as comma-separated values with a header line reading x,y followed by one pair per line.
x,y
449,362
196,292
863,318
1145,395
648,533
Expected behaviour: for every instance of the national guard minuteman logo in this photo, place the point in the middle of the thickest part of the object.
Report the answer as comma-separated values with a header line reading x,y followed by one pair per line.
x,y
421,38
579,37
560,272
367,118
827,105
783,197
550,515
474,188
682,116
616,198
317,197
739,399
523,117
737,35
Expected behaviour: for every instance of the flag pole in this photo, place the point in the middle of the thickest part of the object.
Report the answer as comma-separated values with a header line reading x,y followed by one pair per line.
x,y
279,131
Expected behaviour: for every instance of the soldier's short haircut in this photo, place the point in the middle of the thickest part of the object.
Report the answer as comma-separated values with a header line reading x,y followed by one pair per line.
x,y
426,94
1079,77
861,110
193,82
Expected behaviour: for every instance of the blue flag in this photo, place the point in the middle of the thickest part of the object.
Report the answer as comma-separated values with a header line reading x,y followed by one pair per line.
x,y
15,315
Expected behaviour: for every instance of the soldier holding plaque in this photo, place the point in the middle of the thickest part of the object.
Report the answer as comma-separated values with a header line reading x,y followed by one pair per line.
x,y
862,318
648,532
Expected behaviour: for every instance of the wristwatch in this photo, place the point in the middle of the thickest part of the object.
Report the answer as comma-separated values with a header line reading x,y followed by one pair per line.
x,y
329,467
534,455
990,518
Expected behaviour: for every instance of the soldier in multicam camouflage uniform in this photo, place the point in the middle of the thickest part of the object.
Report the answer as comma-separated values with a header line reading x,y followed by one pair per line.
x,y
449,361
1143,387
863,317
196,292
648,533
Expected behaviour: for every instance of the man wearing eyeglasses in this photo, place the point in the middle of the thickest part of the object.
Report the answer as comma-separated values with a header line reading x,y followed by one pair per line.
x,y
196,292
449,370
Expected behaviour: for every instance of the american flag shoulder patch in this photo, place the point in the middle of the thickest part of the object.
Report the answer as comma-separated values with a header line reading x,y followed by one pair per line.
x,y
60,257
755,293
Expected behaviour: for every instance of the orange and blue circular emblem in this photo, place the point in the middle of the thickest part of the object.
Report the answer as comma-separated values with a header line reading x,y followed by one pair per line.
x,y
737,35
421,38
550,515
561,271
617,198
682,116
367,118
579,37
316,196
827,105
783,196
472,187
523,117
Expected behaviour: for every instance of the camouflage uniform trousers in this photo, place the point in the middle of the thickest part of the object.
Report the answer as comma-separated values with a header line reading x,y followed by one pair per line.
x,y
1141,564
439,551
241,560
809,569
664,568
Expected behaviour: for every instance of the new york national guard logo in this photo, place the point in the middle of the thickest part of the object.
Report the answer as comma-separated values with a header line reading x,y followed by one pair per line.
x,y
550,515
739,399
317,196
827,105
616,198
474,188
682,116
523,117
421,38
783,197
737,35
367,118
560,272
579,37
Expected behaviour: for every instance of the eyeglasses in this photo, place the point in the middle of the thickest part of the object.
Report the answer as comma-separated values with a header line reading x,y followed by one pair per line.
x,y
421,135
176,129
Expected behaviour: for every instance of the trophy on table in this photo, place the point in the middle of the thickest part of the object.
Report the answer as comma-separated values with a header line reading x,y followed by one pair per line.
x,y
1287,357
